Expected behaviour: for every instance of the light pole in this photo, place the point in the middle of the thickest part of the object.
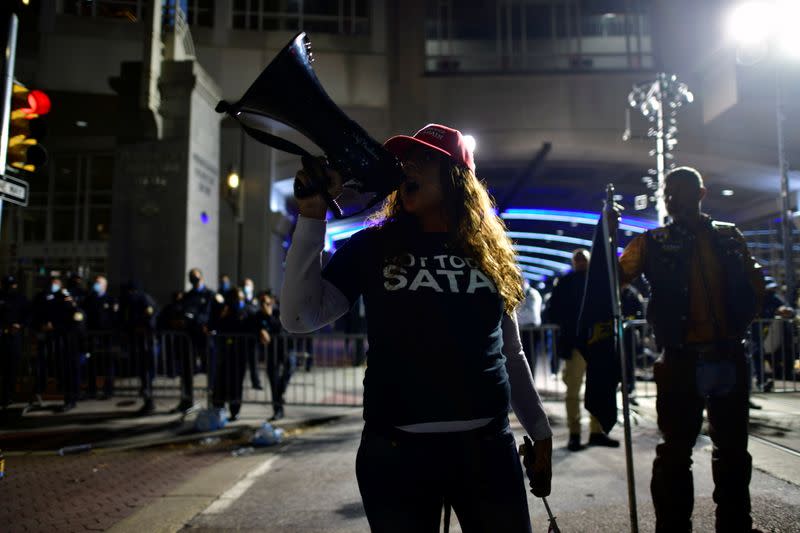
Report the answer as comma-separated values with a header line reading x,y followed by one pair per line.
x,y
651,98
758,29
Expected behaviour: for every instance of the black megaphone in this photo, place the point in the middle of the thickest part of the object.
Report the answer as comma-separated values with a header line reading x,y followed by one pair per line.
x,y
289,91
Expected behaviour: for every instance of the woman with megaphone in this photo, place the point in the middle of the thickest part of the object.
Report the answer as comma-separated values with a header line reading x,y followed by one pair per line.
x,y
440,286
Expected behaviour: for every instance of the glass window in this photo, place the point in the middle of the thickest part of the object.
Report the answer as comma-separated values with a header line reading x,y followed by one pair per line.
x,y
538,22
99,224
319,16
64,225
200,13
34,224
65,181
531,35
102,173
320,7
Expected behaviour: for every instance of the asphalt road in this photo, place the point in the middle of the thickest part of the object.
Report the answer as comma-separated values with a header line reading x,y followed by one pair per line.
x,y
310,485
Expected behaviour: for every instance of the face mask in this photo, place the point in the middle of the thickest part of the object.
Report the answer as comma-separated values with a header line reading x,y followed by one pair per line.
x,y
241,304
97,288
226,285
248,291
194,280
55,287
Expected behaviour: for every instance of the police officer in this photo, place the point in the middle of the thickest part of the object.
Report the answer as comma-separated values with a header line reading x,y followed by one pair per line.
x,y
234,345
198,306
706,288
565,306
102,312
60,326
15,314
225,285
280,364
138,321
249,289
76,289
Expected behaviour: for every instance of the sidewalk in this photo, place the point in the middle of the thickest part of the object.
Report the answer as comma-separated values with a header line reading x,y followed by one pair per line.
x,y
115,424
152,466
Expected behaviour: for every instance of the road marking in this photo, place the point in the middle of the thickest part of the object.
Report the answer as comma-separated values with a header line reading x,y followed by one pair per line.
x,y
232,494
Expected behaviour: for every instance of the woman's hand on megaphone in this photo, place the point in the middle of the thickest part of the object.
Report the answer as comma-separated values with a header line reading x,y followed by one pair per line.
x,y
306,187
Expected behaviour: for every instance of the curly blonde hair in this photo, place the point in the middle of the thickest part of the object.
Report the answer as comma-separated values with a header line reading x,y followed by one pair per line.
x,y
474,228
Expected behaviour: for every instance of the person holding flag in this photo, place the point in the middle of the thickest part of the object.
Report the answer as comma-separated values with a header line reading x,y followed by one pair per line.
x,y
706,289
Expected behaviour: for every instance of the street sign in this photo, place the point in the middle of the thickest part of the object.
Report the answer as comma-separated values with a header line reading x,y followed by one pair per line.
x,y
14,190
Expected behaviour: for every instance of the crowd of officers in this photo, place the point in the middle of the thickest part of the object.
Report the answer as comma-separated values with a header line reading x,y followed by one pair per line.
x,y
79,332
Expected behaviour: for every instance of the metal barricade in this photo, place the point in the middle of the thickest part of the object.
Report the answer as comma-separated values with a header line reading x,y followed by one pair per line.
x,y
640,354
772,345
539,344
316,369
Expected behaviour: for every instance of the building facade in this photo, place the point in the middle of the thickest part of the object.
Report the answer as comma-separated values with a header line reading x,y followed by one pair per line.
x,y
136,183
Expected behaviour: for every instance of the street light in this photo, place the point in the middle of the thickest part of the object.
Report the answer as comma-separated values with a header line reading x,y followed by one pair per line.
x,y
469,143
763,27
235,198
233,180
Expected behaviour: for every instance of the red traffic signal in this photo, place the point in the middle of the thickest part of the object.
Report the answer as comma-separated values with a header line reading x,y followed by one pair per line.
x,y
26,129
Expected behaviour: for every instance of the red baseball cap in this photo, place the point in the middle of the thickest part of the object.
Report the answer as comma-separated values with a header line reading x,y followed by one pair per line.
x,y
446,140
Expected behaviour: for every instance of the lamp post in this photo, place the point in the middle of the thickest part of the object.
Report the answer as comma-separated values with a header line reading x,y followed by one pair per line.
x,y
758,29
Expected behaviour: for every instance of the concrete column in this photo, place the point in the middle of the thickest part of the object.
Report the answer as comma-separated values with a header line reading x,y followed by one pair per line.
x,y
166,193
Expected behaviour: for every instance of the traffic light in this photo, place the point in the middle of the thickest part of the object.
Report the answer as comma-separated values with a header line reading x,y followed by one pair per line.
x,y
27,128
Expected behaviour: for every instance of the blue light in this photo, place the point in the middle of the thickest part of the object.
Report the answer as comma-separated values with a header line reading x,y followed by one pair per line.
x,y
636,225
536,270
533,277
204,217
544,262
548,251
547,237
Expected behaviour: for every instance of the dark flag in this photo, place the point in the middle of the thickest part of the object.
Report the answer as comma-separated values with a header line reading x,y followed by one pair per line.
x,y
596,328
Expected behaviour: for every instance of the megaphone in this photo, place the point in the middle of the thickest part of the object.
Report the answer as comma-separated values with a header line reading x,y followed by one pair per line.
x,y
288,91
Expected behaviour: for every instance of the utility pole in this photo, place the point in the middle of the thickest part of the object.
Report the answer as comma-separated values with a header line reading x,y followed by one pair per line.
x,y
786,208
9,23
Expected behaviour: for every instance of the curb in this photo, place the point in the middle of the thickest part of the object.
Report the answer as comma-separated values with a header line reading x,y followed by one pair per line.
x,y
235,432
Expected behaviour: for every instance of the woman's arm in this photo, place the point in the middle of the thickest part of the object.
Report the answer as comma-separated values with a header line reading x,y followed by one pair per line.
x,y
308,302
524,399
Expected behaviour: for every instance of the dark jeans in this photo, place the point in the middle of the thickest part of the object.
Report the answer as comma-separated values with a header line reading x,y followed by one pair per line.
x,y
280,367
404,478
686,384
202,349
62,351
142,351
10,355
252,367
232,355
101,363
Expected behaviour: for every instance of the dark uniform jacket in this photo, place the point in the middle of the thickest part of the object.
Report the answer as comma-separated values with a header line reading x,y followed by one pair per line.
x,y
563,309
705,285
101,312
14,309
201,308
137,312
58,308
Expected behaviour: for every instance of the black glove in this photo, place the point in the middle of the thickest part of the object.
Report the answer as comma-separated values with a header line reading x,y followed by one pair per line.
x,y
537,459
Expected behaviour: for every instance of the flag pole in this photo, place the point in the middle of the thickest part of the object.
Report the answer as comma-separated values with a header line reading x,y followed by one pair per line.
x,y
610,241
